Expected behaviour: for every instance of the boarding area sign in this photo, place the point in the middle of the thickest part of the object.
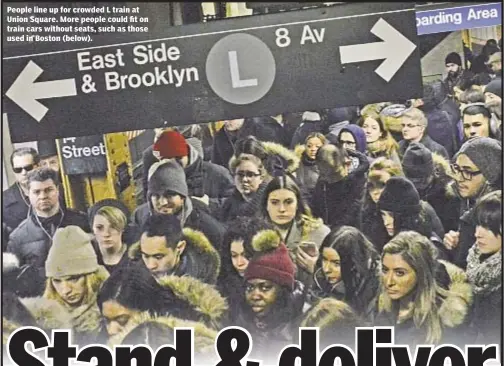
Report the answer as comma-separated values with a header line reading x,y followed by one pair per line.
x,y
457,18
351,54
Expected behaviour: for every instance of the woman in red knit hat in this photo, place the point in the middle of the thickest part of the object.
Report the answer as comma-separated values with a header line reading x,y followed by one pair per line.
x,y
273,298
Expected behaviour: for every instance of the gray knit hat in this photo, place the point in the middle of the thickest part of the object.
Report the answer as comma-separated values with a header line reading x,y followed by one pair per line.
x,y
71,253
167,175
485,153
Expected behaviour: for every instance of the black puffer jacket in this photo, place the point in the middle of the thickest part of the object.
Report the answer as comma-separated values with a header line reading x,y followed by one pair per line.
x,y
340,203
30,243
441,127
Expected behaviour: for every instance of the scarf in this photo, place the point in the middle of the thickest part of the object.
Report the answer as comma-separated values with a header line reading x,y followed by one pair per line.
x,y
307,161
485,276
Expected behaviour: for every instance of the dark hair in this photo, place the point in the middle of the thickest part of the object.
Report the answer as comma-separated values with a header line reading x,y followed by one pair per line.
x,y
133,287
25,151
285,182
488,212
472,110
250,145
472,95
356,252
168,226
242,228
43,174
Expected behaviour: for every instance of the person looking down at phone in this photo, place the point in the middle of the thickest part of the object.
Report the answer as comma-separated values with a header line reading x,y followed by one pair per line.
x,y
283,206
348,269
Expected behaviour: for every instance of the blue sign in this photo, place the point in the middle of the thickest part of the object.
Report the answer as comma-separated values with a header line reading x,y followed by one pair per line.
x,y
458,18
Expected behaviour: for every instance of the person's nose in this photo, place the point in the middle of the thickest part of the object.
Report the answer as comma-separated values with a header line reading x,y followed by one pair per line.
x,y
151,264
325,267
473,131
66,289
389,280
256,294
241,262
281,208
163,200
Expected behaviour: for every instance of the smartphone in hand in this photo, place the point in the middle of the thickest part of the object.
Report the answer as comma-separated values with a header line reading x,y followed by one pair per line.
x,y
309,248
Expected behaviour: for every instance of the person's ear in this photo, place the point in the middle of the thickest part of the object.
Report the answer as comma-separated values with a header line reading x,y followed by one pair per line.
x,y
181,245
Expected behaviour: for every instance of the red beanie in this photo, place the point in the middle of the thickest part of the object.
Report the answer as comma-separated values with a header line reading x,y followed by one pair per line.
x,y
272,262
171,144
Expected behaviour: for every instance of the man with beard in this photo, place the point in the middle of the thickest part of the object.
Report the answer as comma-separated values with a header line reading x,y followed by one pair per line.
x,y
32,239
168,194
493,101
456,76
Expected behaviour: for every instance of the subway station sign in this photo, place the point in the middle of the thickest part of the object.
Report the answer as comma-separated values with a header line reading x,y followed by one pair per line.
x,y
83,155
351,54
455,18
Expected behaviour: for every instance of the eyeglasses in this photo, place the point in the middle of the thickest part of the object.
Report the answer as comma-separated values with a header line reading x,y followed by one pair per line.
x,y
26,168
466,174
409,125
243,173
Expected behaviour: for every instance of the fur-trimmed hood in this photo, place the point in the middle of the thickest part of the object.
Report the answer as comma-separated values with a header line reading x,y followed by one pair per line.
x,y
49,314
199,259
455,308
204,337
299,150
203,298
277,154
444,174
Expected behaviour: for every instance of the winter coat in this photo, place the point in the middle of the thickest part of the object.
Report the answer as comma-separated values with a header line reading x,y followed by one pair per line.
x,y
198,301
109,267
340,203
429,143
307,174
224,141
30,244
202,177
232,287
466,228
278,329
307,230
363,301
233,207
463,80
273,131
454,312
203,336
485,275
14,207
441,127
441,196
199,258
194,216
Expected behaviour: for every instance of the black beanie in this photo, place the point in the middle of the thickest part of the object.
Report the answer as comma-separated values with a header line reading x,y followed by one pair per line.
x,y
399,196
453,58
418,165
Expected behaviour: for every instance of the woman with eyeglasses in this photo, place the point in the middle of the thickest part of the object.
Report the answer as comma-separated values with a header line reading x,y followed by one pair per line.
x,y
426,300
380,171
249,173
477,170
379,141
283,206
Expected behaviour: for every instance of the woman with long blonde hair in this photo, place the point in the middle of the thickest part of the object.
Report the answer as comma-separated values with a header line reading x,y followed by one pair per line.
x,y
424,298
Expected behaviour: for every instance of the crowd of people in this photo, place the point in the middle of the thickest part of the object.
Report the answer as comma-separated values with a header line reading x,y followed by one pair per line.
x,y
386,214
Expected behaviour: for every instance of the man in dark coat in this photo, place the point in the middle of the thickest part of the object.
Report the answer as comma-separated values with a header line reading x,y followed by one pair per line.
x,y
208,182
337,199
15,201
48,153
414,129
456,76
167,249
429,173
168,194
478,171
32,239
441,126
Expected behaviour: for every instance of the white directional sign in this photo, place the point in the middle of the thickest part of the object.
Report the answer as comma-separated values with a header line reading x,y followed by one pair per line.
x,y
349,54
395,50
